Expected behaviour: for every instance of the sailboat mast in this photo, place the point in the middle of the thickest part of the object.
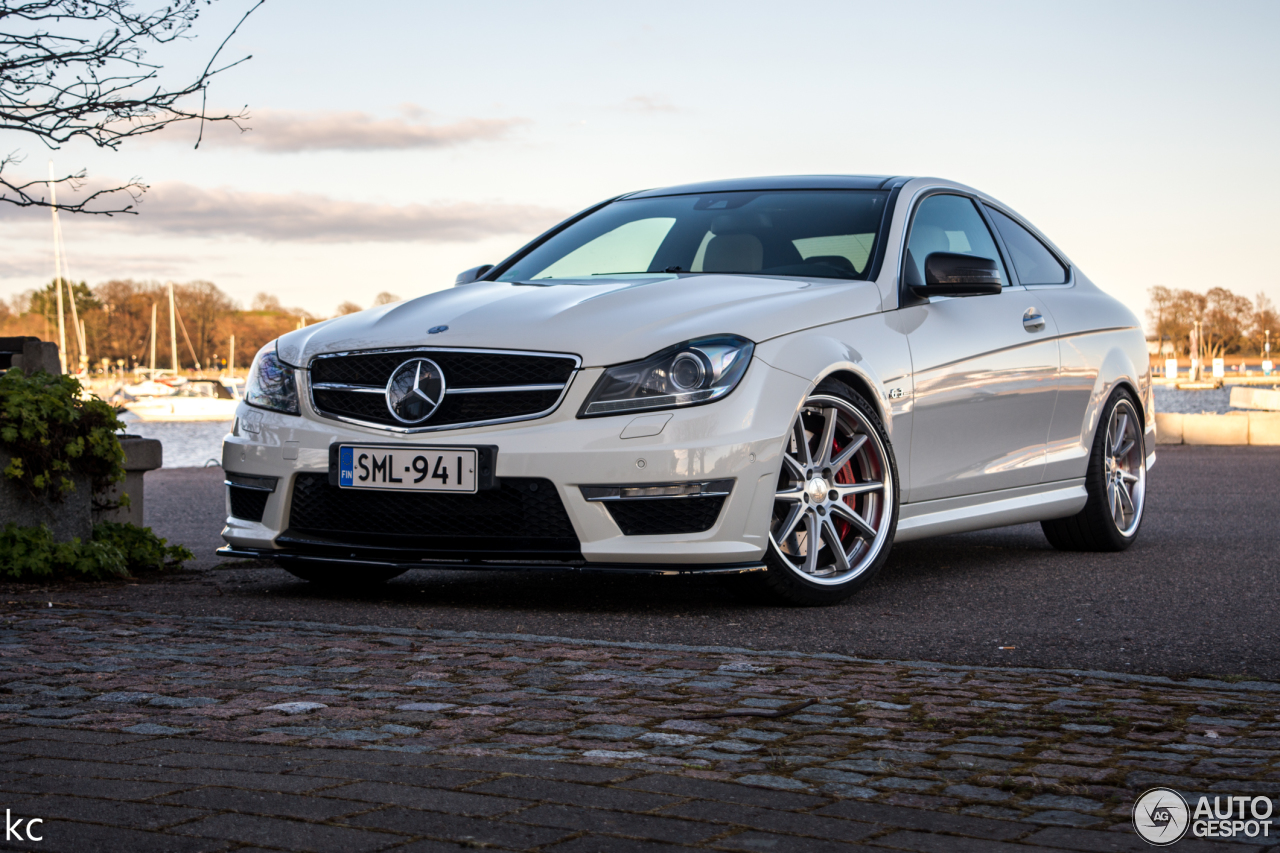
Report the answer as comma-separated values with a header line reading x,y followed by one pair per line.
x,y
57,273
153,342
173,331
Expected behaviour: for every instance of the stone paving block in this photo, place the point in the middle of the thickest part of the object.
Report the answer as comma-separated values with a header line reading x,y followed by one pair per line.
x,y
605,844
269,803
544,769
431,799
930,843
1100,841
74,750
83,787
603,822
706,789
246,779
459,828
107,809
422,845
93,769
924,820
573,793
772,820
67,836
206,761
426,777
753,842
289,834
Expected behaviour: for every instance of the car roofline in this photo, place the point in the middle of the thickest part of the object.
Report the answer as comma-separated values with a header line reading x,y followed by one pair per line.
x,y
779,182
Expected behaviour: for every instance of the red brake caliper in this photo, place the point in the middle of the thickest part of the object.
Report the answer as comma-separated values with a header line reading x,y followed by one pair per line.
x,y
844,475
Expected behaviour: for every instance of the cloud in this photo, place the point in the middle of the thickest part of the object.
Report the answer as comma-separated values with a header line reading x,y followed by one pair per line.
x,y
649,104
185,210
288,132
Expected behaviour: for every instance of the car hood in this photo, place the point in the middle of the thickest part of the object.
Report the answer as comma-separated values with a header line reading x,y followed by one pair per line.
x,y
604,321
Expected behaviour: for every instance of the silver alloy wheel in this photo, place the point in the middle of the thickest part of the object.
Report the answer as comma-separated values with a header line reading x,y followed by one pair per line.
x,y
1125,468
833,506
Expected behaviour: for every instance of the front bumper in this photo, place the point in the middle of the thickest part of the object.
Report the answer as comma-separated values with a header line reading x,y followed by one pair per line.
x,y
738,438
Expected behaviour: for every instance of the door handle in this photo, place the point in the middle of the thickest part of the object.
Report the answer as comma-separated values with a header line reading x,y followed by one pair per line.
x,y
1033,320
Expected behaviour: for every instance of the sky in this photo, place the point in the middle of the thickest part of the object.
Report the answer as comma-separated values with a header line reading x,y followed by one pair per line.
x,y
394,146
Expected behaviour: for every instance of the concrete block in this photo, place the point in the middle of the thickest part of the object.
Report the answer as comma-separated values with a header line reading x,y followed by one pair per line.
x,y
140,456
1168,428
67,518
1264,427
1265,399
1215,429
37,356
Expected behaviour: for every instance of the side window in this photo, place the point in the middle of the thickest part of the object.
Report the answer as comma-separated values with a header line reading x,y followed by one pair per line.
x,y
948,223
1035,264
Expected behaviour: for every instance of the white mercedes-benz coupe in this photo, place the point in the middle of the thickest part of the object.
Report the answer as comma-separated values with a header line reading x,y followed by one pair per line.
x,y
777,377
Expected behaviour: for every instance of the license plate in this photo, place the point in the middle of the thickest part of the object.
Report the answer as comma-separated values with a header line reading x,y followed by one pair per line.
x,y
409,469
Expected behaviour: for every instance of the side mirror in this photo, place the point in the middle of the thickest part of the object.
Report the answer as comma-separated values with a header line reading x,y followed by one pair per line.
x,y
473,274
953,274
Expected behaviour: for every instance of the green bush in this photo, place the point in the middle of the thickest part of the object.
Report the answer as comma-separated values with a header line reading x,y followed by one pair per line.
x,y
116,550
52,430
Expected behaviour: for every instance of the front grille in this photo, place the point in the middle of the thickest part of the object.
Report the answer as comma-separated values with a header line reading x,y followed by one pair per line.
x,y
248,504
659,516
522,515
464,371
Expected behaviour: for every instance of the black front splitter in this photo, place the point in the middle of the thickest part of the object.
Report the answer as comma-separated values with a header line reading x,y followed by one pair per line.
x,y
497,565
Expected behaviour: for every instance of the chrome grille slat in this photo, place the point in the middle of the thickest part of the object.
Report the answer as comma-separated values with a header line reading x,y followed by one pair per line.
x,y
347,386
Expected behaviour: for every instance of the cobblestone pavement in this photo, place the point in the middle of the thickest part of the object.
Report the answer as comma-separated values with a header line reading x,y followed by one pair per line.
x,y
139,731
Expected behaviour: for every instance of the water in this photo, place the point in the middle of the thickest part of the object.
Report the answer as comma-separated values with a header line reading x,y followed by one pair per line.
x,y
1217,401
186,445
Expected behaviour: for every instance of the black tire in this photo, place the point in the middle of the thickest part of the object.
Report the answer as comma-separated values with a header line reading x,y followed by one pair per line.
x,y
1095,528
786,581
346,577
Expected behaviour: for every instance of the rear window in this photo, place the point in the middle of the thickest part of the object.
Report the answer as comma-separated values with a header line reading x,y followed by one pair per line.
x,y
802,233
1033,261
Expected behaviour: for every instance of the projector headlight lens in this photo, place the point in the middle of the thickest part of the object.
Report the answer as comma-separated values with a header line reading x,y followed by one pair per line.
x,y
271,383
687,374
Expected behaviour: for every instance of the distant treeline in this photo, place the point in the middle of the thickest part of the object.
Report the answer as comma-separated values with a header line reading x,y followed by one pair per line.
x,y
117,321
1229,324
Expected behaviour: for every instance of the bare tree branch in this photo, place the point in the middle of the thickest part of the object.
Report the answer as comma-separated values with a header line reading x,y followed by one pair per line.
x,y
59,82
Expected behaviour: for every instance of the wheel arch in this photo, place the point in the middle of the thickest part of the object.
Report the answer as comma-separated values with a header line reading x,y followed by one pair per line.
x,y
1117,370
819,357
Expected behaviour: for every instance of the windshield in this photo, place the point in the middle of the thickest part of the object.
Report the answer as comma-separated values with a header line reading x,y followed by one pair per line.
x,y
810,234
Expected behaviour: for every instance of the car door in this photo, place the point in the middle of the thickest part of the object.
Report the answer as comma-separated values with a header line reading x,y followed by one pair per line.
x,y
986,367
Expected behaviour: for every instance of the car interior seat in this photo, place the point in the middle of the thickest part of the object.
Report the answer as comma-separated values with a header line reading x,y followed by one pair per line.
x,y
733,253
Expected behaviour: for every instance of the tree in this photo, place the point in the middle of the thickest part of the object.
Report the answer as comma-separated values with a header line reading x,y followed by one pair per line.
x,y
1265,319
45,300
1225,321
385,298
266,302
77,69
348,308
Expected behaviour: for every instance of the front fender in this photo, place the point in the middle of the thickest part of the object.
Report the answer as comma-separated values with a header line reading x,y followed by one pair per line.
x,y
867,353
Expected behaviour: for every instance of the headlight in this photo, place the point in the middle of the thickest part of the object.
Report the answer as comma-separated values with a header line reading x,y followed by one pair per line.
x,y
271,384
683,375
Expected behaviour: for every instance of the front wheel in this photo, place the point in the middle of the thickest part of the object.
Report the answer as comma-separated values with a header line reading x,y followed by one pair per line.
x,y
836,505
1116,482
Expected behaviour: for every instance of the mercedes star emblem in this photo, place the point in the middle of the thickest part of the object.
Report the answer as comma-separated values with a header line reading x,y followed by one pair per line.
x,y
415,390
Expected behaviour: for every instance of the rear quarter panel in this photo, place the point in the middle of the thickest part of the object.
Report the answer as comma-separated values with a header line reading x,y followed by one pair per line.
x,y
1102,347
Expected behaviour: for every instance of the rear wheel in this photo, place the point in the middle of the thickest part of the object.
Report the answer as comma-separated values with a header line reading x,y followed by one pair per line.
x,y
347,576
1116,482
836,504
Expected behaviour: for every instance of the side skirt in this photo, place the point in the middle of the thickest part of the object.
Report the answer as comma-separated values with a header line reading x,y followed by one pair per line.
x,y
991,509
